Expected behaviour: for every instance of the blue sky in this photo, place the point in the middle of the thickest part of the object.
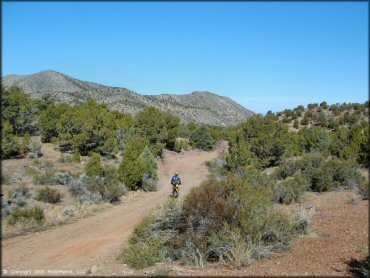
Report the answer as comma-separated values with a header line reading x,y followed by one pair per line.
x,y
266,56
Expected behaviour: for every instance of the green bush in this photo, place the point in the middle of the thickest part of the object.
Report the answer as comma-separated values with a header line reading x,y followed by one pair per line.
x,y
19,110
27,214
108,187
26,142
291,189
287,120
65,158
93,167
301,223
49,120
267,140
17,198
150,241
43,177
159,128
48,195
335,174
181,145
364,189
296,123
321,174
94,129
76,157
240,153
231,202
228,220
256,178
287,168
150,179
10,146
21,190
132,168
202,139
315,139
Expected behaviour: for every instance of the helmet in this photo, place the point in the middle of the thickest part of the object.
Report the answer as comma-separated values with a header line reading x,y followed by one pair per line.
x,y
176,173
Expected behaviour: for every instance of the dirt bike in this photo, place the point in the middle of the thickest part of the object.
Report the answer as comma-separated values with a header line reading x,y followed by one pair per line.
x,y
175,190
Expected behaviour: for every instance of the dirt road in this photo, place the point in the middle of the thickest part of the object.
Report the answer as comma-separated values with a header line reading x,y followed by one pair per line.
x,y
93,243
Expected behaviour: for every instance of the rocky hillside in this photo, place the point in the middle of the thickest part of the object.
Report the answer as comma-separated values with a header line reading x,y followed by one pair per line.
x,y
327,116
201,107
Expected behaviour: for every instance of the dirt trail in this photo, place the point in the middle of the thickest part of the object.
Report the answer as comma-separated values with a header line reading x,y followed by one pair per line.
x,y
96,240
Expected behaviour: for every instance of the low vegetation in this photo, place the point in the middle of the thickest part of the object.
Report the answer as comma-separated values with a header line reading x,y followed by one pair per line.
x,y
233,217
27,214
48,195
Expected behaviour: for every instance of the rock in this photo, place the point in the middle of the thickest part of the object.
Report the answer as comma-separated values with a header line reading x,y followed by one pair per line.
x,y
92,270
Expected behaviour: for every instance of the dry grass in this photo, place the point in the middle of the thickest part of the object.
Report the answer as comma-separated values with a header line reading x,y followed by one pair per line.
x,y
18,172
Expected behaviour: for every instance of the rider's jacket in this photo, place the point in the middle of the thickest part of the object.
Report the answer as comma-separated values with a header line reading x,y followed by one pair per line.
x,y
175,180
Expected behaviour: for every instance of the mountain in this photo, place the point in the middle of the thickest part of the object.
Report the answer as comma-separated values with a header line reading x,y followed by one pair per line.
x,y
201,107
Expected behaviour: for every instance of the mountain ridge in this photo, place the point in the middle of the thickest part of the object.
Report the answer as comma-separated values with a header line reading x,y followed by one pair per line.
x,y
200,106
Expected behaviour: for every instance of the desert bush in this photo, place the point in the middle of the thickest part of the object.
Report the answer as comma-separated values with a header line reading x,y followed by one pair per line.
x,y
27,214
267,140
201,138
35,149
256,178
305,120
312,105
315,139
94,128
229,220
149,183
6,207
286,169
228,245
240,153
77,187
26,141
296,123
19,110
95,189
364,189
150,241
68,212
10,145
291,189
150,179
5,178
62,178
159,128
301,223
132,168
335,174
17,198
321,174
20,191
181,145
76,157
43,177
287,120
93,167
213,205
48,195
217,168
65,158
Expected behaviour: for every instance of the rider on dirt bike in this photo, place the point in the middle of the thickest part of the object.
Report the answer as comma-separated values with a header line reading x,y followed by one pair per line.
x,y
175,181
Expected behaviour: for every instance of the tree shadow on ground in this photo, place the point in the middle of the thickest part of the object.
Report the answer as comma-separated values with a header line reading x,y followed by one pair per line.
x,y
359,268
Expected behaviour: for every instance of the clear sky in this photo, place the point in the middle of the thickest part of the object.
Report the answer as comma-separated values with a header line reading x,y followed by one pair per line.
x,y
266,56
